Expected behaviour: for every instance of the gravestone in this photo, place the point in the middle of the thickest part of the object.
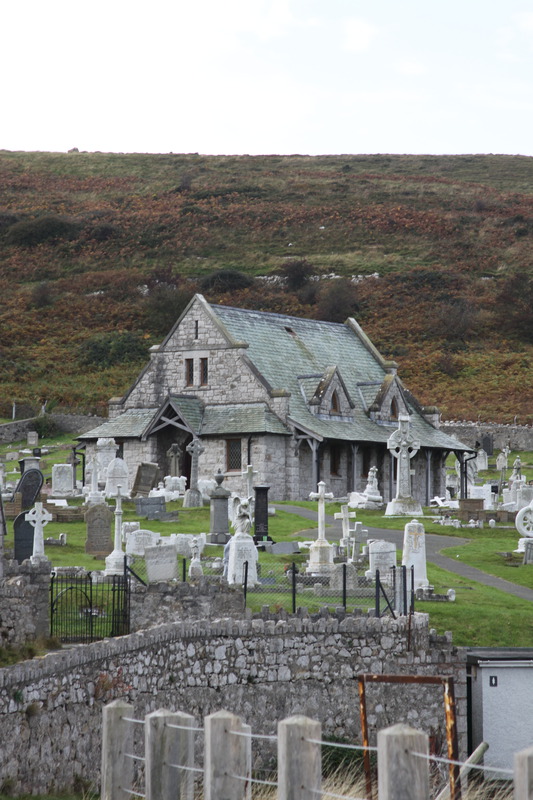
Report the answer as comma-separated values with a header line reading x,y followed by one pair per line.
x,y
528,552
482,460
146,478
62,480
129,527
261,513
24,532
154,508
161,563
219,523
29,487
99,520
241,549
32,438
487,443
195,567
337,577
137,541
321,552
117,475
382,556
106,450
414,553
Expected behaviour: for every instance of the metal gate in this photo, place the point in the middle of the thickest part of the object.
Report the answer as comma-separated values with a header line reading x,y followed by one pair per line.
x,y
85,607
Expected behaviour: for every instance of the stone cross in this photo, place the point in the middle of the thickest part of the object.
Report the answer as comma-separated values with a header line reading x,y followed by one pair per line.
x,y
345,515
114,563
403,447
38,517
321,496
360,535
195,449
249,473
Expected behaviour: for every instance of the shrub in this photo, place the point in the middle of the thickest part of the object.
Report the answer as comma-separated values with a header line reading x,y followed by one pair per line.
x,y
163,305
42,229
41,295
297,273
106,349
337,300
226,280
45,426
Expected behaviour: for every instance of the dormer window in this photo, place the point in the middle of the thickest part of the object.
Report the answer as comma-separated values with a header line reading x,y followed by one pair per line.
x,y
335,405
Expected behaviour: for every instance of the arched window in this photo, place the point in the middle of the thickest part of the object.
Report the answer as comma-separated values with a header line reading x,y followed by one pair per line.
x,y
335,406
394,409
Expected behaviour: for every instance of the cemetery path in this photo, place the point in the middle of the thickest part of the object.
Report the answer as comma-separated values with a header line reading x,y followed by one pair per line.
x,y
434,544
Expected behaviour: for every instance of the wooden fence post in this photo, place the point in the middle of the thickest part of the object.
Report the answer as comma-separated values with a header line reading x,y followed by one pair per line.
x,y
166,749
400,773
227,758
117,741
299,760
523,774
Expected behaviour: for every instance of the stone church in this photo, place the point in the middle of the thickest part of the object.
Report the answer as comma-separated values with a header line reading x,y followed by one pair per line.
x,y
300,400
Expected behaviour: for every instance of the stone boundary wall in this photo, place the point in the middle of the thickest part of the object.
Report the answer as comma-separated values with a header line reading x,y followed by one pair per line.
x,y
24,603
262,668
67,423
517,437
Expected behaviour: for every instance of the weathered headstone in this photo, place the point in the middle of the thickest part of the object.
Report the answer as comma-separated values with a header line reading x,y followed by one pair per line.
x,y
414,553
23,532
482,460
146,478
528,552
106,450
161,563
129,527
137,541
62,480
382,556
32,438
403,447
29,487
117,476
242,550
154,508
99,520
219,523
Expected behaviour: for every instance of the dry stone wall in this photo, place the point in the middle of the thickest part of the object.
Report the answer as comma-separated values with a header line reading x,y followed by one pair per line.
x,y
261,668
517,437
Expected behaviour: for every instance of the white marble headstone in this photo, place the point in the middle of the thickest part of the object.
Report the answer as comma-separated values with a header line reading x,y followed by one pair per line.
x,y
161,563
414,553
137,541
382,556
242,549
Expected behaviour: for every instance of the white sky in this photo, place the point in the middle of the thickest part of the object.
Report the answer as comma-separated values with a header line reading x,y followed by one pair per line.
x,y
268,76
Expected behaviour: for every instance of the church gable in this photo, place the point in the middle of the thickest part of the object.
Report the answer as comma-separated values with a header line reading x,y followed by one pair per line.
x,y
389,402
197,328
328,398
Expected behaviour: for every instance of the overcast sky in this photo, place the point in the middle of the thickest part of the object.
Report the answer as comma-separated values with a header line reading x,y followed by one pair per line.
x,y
268,76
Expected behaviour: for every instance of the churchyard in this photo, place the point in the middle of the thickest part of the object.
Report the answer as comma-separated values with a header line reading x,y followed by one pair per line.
x,y
470,617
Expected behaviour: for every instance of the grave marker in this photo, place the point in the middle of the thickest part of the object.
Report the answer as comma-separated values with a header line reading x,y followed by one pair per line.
x,y
99,519
161,563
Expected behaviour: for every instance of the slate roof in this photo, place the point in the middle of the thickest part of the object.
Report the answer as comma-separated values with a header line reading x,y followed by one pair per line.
x,y
131,424
282,348
241,418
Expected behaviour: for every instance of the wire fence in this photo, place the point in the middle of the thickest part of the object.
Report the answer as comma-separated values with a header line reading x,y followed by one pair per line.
x,y
178,759
288,585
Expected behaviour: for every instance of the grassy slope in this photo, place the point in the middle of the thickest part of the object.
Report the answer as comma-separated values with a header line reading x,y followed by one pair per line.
x,y
442,232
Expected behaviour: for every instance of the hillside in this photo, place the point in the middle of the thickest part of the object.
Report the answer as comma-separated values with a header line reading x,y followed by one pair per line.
x,y
100,252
